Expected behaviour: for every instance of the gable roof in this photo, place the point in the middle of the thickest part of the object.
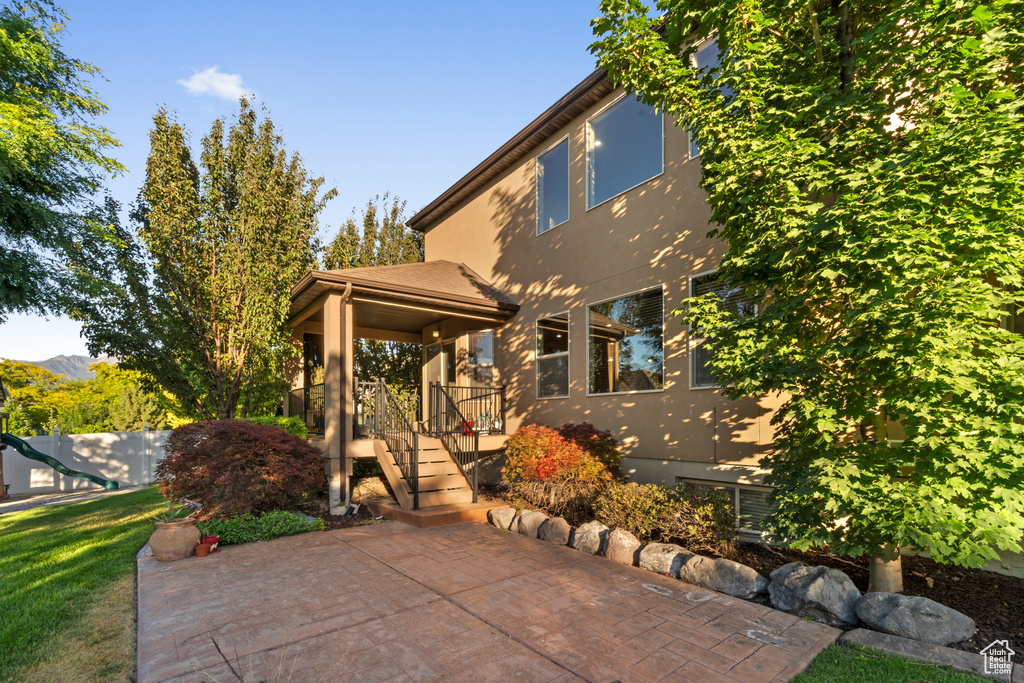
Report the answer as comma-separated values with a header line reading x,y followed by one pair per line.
x,y
569,106
446,283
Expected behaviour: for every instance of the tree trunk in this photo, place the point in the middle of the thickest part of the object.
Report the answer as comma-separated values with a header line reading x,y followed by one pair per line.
x,y
886,571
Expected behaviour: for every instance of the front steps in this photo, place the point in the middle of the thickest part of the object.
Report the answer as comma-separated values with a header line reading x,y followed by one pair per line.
x,y
441,482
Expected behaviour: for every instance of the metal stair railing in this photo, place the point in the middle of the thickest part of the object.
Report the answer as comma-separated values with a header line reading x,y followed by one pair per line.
x,y
393,427
458,435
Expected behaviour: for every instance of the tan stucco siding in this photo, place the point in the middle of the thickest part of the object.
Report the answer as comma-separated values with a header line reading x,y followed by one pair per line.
x,y
653,235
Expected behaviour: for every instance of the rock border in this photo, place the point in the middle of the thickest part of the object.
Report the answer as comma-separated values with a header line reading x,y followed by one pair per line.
x,y
823,594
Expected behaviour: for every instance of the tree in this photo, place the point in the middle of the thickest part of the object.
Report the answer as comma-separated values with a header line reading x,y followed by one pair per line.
x,y
865,164
383,241
135,409
18,421
52,159
200,295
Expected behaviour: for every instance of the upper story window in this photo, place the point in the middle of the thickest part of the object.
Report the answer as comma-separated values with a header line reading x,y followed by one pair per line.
x,y
625,147
705,58
553,187
480,358
553,356
627,343
731,299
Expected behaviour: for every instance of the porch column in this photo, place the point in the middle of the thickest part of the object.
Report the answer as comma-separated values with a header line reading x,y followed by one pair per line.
x,y
338,397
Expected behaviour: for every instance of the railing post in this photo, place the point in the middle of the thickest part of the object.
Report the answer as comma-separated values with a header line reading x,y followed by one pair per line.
x,y
416,471
476,465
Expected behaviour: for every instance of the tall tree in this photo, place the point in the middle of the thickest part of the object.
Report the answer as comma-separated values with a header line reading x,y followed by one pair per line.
x,y
380,238
201,297
52,159
865,163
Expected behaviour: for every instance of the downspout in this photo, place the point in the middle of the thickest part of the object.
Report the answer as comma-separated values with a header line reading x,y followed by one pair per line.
x,y
339,471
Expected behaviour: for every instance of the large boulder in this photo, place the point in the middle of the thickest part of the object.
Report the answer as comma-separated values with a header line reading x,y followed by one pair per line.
x,y
623,547
663,558
914,617
821,593
501,517
555,530
722,575
591,537
530,521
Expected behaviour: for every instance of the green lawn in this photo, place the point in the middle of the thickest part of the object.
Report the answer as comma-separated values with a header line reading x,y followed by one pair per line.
x,y
854,664
64,572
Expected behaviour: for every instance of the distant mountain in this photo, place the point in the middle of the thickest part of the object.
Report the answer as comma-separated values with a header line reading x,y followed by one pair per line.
x,y
72,367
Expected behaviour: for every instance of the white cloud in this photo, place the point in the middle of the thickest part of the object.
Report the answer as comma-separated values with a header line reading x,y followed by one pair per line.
x,y
213,82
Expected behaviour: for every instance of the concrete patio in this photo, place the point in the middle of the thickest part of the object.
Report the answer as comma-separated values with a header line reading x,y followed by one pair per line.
x,y
390,602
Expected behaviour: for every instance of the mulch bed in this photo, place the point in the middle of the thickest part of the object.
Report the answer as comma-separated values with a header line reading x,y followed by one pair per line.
x,y
332,522
994,601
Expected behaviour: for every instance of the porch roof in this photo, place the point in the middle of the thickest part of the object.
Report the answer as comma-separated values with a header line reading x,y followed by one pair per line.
x,y
405,297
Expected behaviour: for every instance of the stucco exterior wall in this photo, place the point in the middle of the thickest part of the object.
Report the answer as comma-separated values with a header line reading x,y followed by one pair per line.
x,y
652,235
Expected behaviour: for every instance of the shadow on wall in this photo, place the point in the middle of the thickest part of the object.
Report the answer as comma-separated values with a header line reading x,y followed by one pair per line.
x,y
653,235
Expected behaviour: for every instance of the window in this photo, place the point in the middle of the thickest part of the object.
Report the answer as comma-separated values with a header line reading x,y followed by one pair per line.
x,y
748,503
553,187
553,356
730,299
706,57
480,358
627,344
624,149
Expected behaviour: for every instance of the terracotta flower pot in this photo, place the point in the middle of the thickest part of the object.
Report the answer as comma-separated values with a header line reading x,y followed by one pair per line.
x,y
213,541
174,540
202,550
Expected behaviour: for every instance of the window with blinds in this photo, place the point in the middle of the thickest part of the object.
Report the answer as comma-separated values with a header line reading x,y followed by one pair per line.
x,y
730,299
553,356
750,505
626,344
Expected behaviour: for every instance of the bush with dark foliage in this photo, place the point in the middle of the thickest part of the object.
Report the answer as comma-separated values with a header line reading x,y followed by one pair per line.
x,y
600,444
235,467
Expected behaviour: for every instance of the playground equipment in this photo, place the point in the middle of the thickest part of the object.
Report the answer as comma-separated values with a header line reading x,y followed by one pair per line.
x,y
25,449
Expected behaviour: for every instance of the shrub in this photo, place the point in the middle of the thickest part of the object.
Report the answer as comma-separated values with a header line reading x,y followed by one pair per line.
x,y
642,510
552,473
701,518
248,528
599,444
236,467
293,425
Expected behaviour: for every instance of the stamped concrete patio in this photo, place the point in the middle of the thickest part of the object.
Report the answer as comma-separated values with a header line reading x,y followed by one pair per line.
x,y
390,602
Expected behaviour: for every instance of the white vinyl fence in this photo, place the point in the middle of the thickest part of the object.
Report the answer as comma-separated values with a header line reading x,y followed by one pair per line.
x,y
129,458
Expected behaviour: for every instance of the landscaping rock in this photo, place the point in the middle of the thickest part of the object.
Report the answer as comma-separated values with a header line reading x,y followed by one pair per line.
x,y
722,575
623,547
914,617
823,594
663,558
555,530
501,517
591,538
530,521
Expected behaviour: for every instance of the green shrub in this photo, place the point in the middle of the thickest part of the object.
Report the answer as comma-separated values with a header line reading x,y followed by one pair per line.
x,y
640,509
698,518
599,444
248,529
293,425
701,518
366,467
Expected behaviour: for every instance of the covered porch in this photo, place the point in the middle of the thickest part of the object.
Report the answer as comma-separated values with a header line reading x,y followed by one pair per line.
x,y
430,438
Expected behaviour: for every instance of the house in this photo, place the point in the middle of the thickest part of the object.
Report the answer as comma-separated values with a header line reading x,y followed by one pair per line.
x,y
551,273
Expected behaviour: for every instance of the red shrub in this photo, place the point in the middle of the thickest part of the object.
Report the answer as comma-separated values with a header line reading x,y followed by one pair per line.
x,y
236,467
539,454
598,443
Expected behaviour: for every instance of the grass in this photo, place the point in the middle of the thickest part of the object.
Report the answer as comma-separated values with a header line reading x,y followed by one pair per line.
x,y
855,664
68,588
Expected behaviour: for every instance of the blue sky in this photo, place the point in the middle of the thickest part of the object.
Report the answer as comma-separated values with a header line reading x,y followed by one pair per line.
x,y
393,97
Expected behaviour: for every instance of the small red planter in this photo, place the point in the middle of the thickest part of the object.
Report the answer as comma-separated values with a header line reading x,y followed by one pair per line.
x,y
212,541
202,550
